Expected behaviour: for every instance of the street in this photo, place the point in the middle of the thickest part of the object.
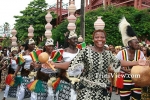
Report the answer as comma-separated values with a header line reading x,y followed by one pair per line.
x,y
114,97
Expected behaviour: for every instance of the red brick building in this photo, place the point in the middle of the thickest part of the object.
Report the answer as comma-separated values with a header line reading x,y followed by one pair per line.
x,y
62,11
139,4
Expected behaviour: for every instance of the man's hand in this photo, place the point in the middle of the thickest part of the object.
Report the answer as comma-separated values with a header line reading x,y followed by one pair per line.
x,y
142,62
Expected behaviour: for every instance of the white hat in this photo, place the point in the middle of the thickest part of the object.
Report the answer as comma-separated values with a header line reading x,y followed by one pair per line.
x,y
72,34
49,41
31,41
14,48
126,31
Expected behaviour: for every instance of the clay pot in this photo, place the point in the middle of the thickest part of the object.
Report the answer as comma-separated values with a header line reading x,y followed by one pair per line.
x,y
99,24
71,19
48,17
71,26
72,8
30,29
48,34
43,57
141,75
14,39
14,43
30,32
30,35
48,26
80,39
13,32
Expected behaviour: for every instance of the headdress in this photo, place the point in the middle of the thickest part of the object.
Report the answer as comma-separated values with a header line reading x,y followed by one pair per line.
x,y
14,48
118,47
126,31
72,34
49,41
31,41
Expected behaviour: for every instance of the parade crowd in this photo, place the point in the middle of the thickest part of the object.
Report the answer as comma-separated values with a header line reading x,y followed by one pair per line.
x,y
76,73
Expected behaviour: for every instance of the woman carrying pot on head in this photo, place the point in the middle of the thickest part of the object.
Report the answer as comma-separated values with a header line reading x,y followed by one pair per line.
x,y
11,84
67,92
93,80
41,90
26,68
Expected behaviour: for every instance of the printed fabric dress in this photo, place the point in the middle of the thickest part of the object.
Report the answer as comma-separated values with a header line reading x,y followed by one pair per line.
x,y
93,80
11,85
23,92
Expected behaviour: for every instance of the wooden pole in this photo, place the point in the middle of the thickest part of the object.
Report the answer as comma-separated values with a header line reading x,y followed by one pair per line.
x,y
82,19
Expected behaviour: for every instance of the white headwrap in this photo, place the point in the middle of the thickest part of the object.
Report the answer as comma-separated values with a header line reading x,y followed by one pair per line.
x,y
31,41
14,48
49,41
72,34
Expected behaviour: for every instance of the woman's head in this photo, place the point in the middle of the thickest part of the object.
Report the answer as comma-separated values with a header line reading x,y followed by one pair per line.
x,y
30,44
4,51
146,51
49,45
117,49
14,51
99,38
71,39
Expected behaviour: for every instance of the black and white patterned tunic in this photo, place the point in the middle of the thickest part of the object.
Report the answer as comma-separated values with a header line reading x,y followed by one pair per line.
x,y
95,70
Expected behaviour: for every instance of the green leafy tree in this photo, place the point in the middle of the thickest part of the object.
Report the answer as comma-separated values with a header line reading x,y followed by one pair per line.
x,y
34,15
59,31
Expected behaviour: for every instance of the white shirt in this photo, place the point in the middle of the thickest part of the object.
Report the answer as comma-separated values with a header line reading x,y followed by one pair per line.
x,y
28,61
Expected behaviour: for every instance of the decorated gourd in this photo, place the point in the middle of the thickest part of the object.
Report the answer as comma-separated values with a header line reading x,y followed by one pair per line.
x,y
141,75
43,58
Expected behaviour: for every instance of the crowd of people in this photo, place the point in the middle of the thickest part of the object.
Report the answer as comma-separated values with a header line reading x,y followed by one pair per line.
x,y
79,73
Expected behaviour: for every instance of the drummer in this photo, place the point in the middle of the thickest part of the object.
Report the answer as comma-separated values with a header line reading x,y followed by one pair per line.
x,y
128,89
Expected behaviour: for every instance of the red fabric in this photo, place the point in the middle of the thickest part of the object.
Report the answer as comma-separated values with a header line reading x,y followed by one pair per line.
x,y
56,83
9,79
52,53
61,51
29,85
119,82
79,46
38,52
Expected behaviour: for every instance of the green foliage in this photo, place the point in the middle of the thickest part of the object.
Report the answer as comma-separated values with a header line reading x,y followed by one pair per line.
x,y
6,42
58,32
34,15
139,20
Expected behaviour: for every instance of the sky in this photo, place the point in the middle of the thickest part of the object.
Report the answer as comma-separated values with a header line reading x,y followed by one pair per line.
x,y
10,8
